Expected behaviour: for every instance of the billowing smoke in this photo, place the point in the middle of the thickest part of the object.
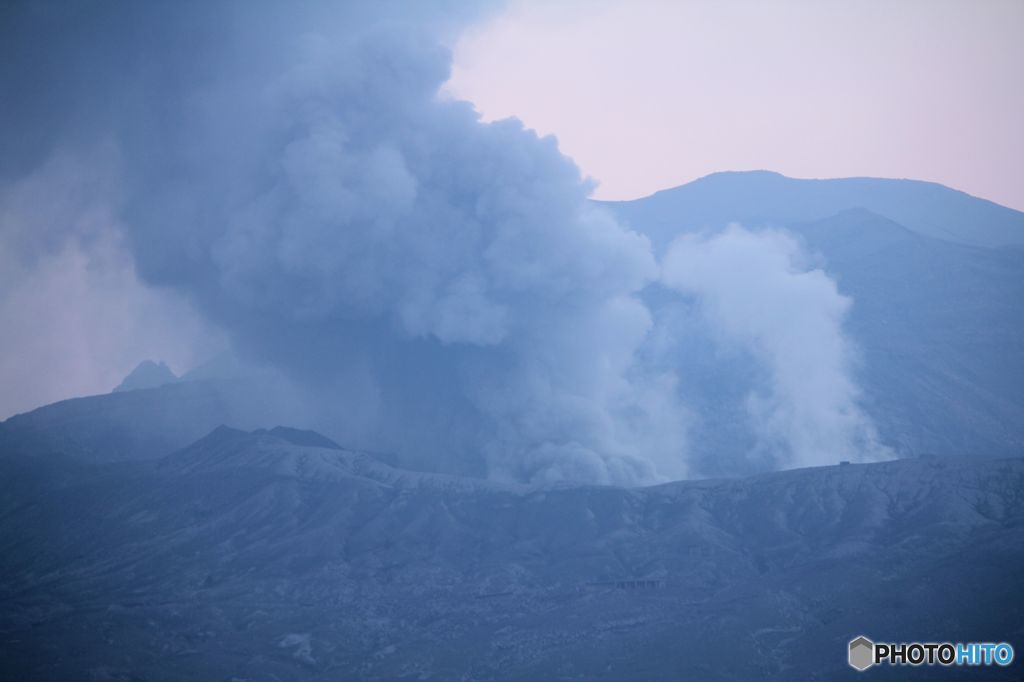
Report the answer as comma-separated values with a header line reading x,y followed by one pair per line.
x,y
437,286
758,293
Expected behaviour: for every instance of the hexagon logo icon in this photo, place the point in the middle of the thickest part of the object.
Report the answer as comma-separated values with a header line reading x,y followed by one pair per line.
x,y
862,653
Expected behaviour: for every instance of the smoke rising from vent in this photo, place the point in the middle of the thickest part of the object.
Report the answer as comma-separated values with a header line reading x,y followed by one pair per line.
x,y
757,291
434,285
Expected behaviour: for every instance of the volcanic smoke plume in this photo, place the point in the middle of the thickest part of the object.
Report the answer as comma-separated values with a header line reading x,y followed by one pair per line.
x,y
431,284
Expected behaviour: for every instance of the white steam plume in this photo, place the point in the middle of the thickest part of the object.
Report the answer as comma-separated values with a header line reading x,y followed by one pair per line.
x,y
756,292
434,285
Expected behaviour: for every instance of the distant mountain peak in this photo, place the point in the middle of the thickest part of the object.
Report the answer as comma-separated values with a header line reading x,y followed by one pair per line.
x,y
759,172
307,455
304,437
147,374
237,441
760,198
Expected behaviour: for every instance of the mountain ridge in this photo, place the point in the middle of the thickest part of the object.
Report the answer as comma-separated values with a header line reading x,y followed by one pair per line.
x,y
759,198
146,570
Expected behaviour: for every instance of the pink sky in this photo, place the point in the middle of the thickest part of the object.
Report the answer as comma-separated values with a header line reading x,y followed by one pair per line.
x,y
650,94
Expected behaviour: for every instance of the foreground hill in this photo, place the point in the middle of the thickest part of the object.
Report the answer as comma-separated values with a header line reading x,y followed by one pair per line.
x,y
258,556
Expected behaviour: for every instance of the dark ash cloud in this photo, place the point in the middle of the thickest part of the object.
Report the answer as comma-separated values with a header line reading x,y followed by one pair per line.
x,y
432,284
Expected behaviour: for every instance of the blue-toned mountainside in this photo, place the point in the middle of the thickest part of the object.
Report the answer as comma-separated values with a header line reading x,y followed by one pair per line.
x,y
147,374
937,282
757,198
142,539
134,424
256,556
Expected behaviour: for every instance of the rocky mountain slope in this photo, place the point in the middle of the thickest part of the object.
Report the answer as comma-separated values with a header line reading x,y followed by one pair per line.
x,y
255,556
